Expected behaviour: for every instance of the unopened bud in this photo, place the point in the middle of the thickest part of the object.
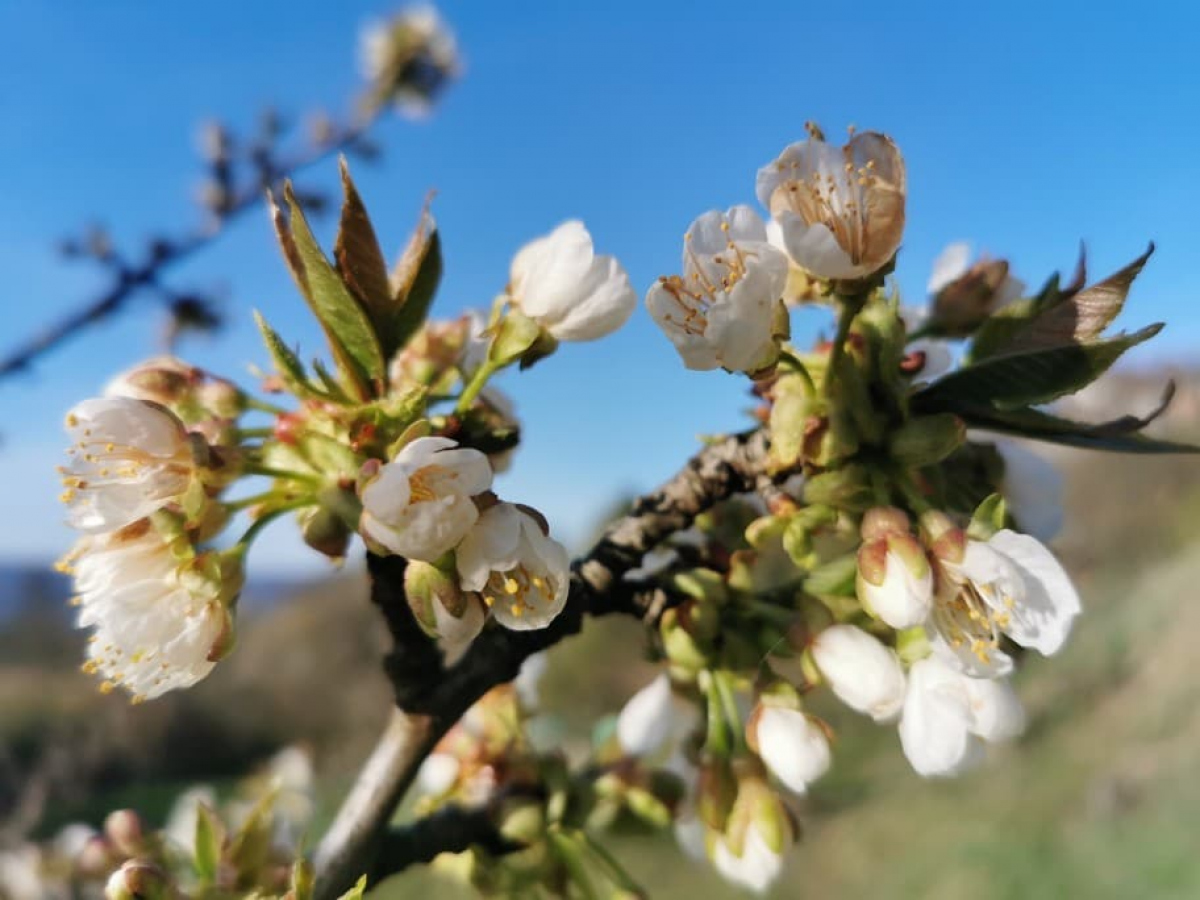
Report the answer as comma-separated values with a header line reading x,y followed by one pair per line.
x,y
894,580
96,859
325,531
221,398
946,541
963,304
793,747
442,609
716,790
884,520
164,380
138,880
124,828
681,647
926,440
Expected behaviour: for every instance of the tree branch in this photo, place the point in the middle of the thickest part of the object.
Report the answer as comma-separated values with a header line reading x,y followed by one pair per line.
x,y
128,279
430,698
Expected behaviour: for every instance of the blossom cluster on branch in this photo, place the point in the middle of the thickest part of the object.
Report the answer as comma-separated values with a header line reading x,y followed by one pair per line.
x,y
881,549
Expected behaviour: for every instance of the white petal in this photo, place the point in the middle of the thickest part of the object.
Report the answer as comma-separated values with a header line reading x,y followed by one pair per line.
x,y
996,711
697,352
1043,619
645,721
547,273
606,303
813,247
903,600
934,729
758,866
794,749
863,673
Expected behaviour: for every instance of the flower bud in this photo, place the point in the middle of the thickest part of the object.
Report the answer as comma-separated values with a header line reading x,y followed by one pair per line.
x,y
138,880
164,380
946,541
325,531
682,649
894,581
792,746
442,609
863,673
124,828
758,833
716,790
964,296
926,440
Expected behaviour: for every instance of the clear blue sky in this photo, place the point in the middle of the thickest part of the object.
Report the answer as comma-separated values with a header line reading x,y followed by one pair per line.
x,y
1026,127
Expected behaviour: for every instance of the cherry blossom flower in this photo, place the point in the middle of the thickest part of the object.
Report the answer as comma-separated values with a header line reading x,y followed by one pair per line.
x,y
726,309
521,572
419,505
129,459
560,283
840,209
863,673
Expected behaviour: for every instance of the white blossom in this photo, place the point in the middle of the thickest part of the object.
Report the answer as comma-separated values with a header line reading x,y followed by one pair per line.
x,y
1010,584
520,571
129,459
559,282
419,505
947,717
758,866
863,673
654,720
158,621
726,309
792,746
840,209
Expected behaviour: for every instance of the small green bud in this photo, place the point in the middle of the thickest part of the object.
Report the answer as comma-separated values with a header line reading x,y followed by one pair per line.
x,y
926,440
138,880
847,488
325,531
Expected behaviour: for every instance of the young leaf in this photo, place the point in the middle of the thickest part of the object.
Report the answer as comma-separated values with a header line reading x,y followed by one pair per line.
x,y
209,838
1029,378
351,336
287,363
1080,317
359,259
1121,435
988,518
414,281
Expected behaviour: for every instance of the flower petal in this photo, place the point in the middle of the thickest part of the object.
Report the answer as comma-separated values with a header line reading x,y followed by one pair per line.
x,y
1043,619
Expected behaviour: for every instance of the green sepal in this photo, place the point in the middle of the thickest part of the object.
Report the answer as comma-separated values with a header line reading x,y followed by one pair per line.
x,y
512,337
834,578
926,440
988,518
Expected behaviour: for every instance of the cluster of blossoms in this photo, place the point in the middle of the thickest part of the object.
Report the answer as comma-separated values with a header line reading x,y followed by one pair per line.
x,y
409,60
367,451
890,557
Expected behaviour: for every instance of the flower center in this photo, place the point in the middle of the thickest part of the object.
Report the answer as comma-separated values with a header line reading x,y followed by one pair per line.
x,y
965,619
838,200
518,589
98,464
420,487
697,294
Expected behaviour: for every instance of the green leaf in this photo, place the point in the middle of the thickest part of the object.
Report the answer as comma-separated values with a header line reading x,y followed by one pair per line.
x,y
250,849
414,282
209,837
351,335
287,364
1119,435
359,259
1025,379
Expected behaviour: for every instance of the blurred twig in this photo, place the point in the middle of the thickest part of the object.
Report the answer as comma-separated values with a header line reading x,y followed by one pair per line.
x,y
225,202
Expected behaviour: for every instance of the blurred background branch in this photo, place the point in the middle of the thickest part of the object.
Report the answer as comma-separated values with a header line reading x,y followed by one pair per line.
x,y
408,61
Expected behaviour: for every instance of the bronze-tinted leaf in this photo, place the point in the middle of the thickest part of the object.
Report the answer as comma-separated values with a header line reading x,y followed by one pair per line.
x,y
1082,315
356,250
414,281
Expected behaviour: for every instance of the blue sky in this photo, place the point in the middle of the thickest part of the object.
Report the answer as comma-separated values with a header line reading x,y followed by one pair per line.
x,y
1026,128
